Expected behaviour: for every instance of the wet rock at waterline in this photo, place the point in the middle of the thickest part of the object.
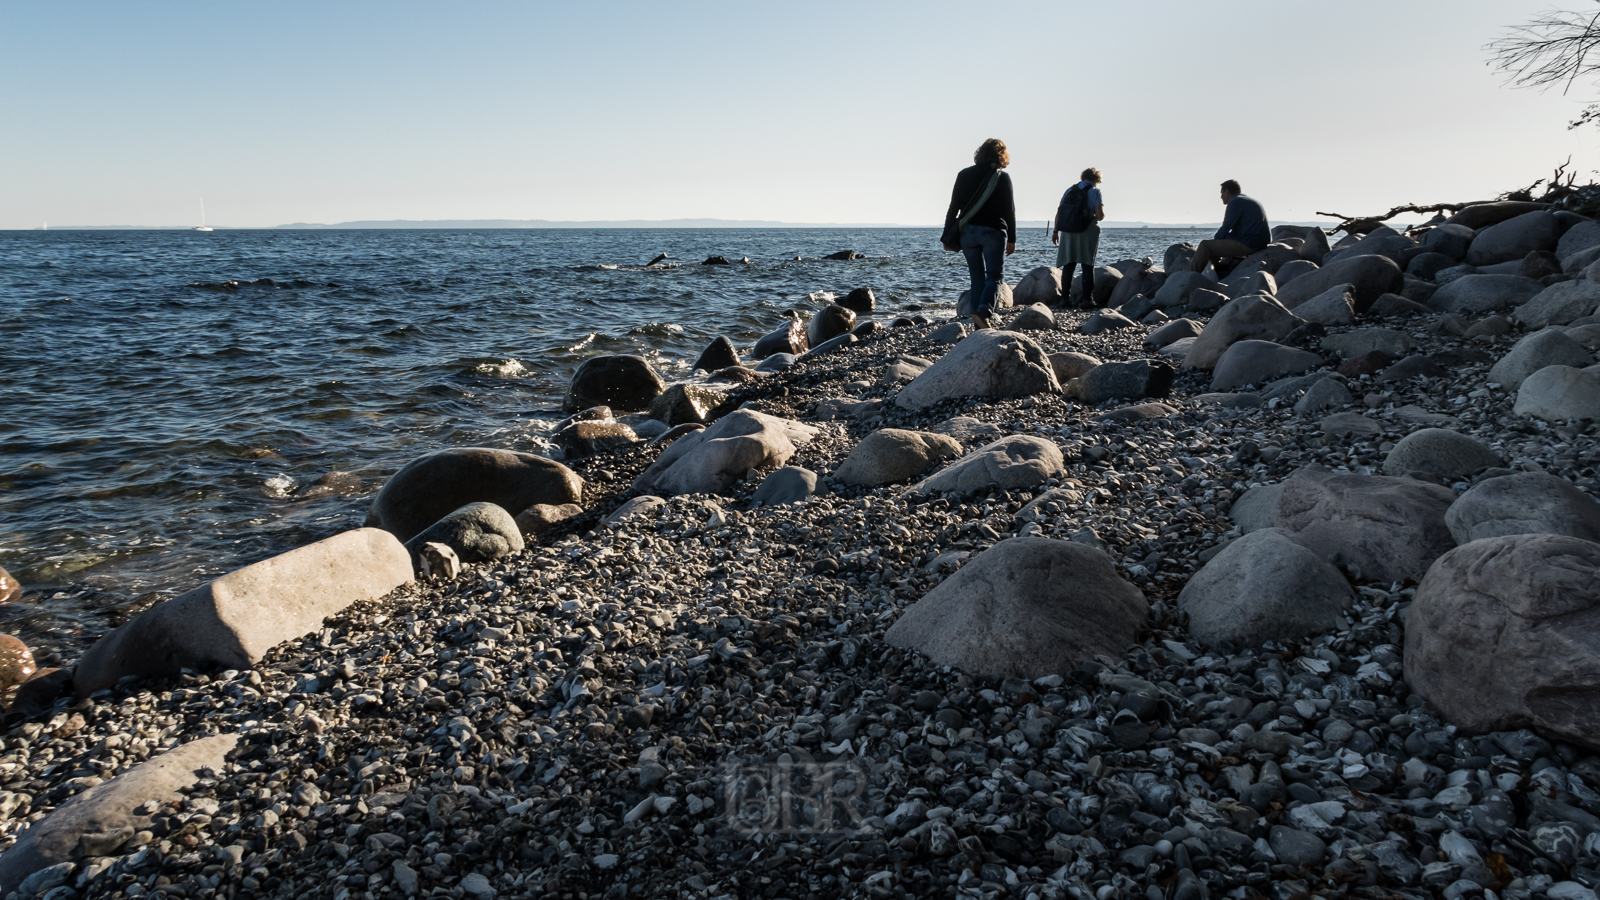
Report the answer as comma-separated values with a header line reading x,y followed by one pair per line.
x,y
683,403
10,588
16,662
709,461
428,488
719,354
625,383
790,338
829,323
477,532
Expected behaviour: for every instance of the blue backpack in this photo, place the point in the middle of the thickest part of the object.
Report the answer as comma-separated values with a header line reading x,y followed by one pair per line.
x,y
1074,214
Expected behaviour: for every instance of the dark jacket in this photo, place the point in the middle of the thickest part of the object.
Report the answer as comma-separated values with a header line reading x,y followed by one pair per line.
x,y
999,211
1245,221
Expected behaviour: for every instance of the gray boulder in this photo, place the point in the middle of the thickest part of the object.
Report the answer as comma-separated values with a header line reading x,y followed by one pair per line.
x,y
1264,587
1559,304
646,505
712,460
1254,283
1134,379
1314,241
893,454
1036,317
587,437
1370,277
950,333
1581,263
1247,318
1011,463
777,362
986,364
1253,362
830,322
1105,320
1537,351
1450,240
1027,607
1475,295
1176,258
1361,341
1428,265
1176,330
1481,215
1324,394
685,403
1380,529
1441,453
1204,299
1396,247
626,383
1523,503
543,516
1146,280
904,370
1504,634
1293,269
1069,365
1514,239
1040,285
719,354
789,339
1582,236
431,487
1335,306
967,430
860,300
790,484
120,807
477,532
1176,289
1557,393
232,622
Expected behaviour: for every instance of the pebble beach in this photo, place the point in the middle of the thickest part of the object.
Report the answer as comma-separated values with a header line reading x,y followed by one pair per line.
x,y
1173,599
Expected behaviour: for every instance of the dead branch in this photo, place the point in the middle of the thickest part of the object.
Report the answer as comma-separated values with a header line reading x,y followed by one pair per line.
x,y
1552,49
1367,224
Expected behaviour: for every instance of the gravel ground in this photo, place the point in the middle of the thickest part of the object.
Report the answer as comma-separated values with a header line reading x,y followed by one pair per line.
x,y
594,717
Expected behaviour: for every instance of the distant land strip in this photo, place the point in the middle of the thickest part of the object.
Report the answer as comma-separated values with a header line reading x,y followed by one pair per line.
x,y
447,224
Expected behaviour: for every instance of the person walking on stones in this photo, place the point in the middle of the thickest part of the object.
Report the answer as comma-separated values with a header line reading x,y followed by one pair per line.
x,y
1079,217
982,223
1244,230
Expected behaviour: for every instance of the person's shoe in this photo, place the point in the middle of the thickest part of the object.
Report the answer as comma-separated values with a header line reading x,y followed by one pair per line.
x,y
981,321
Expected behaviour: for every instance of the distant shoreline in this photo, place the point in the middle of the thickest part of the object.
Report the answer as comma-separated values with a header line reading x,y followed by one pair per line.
x,y
673,225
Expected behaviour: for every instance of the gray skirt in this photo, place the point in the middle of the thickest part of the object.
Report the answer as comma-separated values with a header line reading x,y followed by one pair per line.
x,y
1078,248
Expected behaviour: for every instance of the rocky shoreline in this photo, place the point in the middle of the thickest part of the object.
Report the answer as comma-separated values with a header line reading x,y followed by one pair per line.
x,y
1162,646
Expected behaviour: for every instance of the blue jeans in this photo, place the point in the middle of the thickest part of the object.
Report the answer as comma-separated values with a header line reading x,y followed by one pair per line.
x,y
985,249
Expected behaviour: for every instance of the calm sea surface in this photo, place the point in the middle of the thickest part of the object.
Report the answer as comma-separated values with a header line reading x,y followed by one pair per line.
x,y
167,393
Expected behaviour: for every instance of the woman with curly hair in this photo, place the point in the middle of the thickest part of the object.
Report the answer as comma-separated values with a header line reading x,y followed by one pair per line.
x,y
982,223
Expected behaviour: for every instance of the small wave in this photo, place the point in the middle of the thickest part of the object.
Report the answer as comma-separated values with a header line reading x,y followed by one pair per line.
x,y
587,340
278,486
240,284
822,298
511,368
656,329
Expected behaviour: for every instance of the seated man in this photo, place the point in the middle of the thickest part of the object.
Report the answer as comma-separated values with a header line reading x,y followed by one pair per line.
x,y
1244,230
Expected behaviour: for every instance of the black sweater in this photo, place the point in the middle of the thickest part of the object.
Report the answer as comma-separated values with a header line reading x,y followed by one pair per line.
x,y
999,211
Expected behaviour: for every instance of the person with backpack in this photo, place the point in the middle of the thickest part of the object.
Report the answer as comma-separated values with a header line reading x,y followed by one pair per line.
x,y
982,223
1079,217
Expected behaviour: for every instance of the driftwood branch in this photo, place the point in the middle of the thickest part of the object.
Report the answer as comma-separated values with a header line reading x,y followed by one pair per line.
x,y
1366,224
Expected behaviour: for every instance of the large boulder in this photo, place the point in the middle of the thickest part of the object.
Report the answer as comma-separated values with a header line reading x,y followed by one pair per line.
x,y
1248,318
1537,351
1441,453
1264,587
719,354
428,488
1040,285
1017,462
1257,508
860,300
1314,241
477,532
1475,295
1176,330
1105,320
1176,289
1378,528
1177,256
1027,607
118,808
1253,362
1335,306
685,402
1449,240
587,437
1069,364
1582,236
1133,379
1293,269
790,338
1514,238
1036,317
1146,280
1523,503
1253,283
830,322
1370,277
712,460
1504,634
627,383
232,622
986,364
894,454
1361,341
1559,304
1482,215
1557,393
1396,247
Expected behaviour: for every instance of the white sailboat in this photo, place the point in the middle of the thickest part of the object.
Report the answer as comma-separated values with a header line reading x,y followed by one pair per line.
x,y
202,226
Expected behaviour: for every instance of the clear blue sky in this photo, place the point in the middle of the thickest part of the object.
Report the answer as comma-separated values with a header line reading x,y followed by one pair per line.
x,y
128,113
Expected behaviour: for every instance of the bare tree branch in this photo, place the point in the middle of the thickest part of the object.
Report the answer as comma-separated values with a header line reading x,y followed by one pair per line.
x,y
1552,49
